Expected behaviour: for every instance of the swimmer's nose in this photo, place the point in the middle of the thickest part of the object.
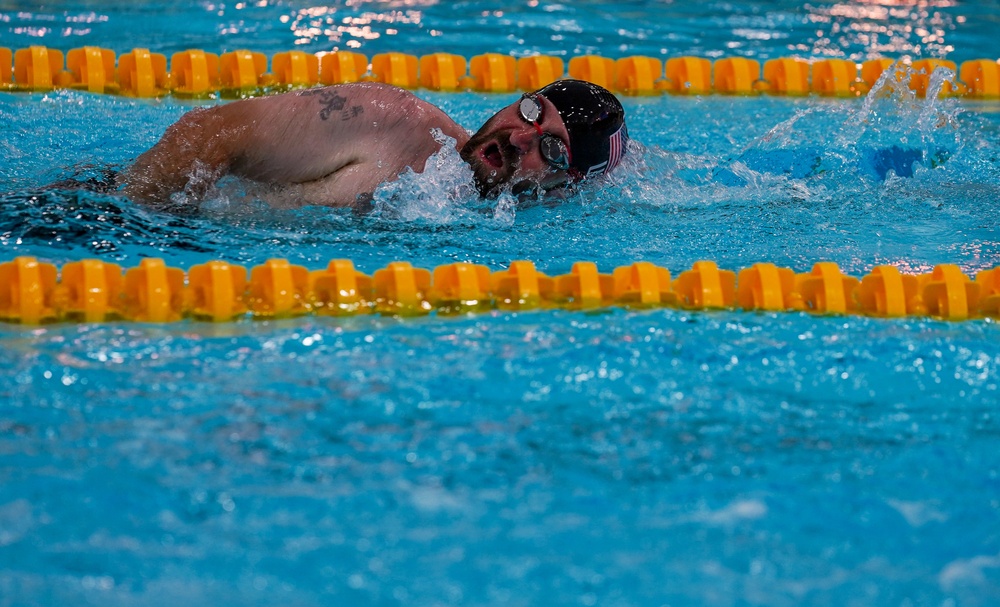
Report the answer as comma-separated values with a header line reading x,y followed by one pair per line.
x,y
523,139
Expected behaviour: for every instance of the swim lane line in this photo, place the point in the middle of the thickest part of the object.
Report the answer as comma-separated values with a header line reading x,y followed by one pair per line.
x,y
197,74
33,292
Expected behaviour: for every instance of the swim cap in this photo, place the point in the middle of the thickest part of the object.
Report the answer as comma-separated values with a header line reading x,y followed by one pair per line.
x,y
595,120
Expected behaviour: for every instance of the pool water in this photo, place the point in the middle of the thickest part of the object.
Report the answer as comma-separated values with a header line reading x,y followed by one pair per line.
x,y
621,457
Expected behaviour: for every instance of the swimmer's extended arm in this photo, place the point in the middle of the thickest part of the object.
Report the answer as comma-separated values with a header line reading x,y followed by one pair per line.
x,y
338,143
194,143
272,140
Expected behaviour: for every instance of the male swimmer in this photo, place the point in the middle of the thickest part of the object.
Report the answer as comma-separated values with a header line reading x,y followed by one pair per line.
x,y
334,146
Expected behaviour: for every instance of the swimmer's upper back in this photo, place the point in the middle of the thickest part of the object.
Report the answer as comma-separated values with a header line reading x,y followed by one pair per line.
x,y
352,136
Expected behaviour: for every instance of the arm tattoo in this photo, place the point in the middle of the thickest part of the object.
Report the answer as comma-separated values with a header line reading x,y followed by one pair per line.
x,y
332,102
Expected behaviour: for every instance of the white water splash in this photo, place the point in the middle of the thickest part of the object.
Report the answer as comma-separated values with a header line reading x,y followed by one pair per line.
x,y
893,133
892,112
440,194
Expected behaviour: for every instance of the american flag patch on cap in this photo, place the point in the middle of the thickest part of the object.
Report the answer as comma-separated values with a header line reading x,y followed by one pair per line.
x,y
616,150
618,142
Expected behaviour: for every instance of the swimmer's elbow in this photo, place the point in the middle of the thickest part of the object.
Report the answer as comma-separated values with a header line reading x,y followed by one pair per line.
x,y
201,135
148,188
194,145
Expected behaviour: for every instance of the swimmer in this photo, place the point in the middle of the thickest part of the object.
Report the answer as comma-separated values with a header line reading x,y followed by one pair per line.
x,y
334,146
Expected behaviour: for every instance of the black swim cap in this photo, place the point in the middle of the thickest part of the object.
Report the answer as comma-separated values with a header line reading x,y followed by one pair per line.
x,y
595,120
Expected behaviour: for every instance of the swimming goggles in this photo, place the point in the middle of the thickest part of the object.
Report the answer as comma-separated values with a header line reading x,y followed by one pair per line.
x,y
552,148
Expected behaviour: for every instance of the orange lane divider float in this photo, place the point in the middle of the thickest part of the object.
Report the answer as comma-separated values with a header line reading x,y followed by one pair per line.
x,y
398,69
599,70
736,76
835,78
195,73
688,76
143,74
6,69
981,78
461,287
493,73
92,69
342,66
443,72
535,72
786,76
240,70
33,292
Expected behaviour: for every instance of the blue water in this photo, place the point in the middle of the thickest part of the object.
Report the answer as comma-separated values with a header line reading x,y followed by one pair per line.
x,y
540,458
714,28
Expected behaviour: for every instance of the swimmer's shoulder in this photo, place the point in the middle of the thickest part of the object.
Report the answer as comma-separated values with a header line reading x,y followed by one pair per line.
x,y
393,107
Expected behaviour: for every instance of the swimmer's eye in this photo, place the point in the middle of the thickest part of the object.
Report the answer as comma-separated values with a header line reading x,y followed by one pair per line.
x,y
554,151
552,148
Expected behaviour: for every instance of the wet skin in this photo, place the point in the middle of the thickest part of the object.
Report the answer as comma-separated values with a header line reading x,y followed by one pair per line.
x,y
334,146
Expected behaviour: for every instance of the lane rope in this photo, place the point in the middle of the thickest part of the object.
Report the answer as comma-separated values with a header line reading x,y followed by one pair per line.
x,y
90,290
199,74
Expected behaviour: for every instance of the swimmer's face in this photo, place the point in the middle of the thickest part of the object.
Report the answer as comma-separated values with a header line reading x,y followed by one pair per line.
x,y
509,149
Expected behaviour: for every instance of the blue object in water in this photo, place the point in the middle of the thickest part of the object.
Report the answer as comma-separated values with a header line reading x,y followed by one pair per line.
x,y
794,163
809,162
899,160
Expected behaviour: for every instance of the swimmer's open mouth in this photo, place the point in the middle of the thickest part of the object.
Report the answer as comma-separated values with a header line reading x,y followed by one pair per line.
x,y
492,155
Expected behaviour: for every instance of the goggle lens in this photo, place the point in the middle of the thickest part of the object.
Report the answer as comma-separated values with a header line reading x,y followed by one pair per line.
x,y
552,148
530,108
554,151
